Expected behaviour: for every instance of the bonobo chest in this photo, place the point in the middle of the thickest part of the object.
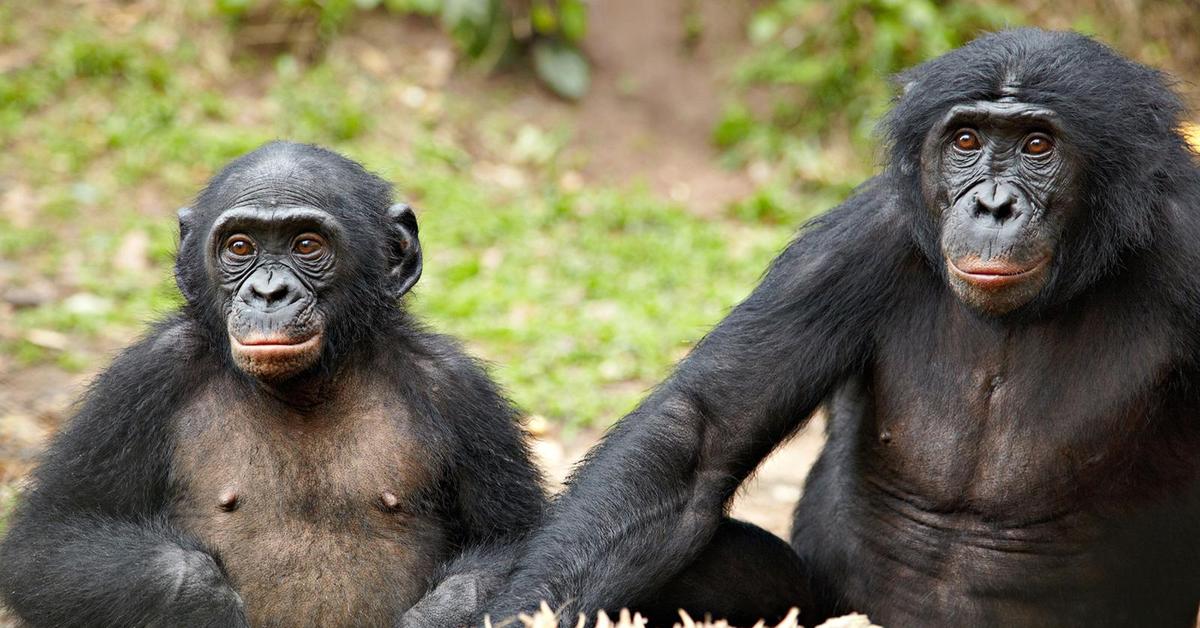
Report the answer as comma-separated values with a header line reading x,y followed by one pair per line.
x,y
1038,417
319,515
1044,474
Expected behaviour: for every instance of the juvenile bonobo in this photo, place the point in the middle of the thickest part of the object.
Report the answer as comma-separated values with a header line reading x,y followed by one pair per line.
x,y
1004,328
291,448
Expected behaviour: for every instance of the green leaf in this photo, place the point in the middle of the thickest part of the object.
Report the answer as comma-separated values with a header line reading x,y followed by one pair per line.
x,y
474,24
233,8
562,68
735,125
543,19
572,15
476,13
763,26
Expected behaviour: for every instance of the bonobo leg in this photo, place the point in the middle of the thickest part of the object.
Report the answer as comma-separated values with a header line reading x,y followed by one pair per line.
x,y
745,574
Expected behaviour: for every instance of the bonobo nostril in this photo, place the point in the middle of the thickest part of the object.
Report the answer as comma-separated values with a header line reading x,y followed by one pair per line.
x,y
270,292
995,199
269,289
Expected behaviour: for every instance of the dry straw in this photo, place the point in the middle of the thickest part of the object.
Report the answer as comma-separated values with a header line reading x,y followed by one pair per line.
x,y
546,618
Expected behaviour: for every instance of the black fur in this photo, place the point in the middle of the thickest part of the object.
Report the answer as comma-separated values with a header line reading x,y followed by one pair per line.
x,y
1035,468
96,539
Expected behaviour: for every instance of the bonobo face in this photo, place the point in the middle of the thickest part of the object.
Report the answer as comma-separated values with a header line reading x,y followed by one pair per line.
x,y
272,265
998,175
299,256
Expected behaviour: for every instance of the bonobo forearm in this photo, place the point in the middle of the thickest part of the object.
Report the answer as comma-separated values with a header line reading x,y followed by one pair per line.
x,y
650,499
94,571
647,502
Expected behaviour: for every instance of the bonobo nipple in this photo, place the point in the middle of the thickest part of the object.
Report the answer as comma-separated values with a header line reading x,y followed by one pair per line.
x,y
228,500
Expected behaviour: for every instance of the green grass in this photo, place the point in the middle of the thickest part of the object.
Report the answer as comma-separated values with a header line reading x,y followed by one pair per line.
x,y
580,300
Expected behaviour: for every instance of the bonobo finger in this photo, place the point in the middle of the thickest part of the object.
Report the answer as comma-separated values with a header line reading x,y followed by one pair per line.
x,y
199,593
454,602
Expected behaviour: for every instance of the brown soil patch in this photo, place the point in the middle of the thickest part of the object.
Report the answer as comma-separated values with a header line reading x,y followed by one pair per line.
x,y
655,96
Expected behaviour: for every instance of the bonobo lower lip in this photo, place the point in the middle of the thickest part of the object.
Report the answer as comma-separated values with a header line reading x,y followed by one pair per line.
x,y
993,273
266,347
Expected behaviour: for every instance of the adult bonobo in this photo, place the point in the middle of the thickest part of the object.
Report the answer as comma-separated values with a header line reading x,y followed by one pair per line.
x,y
291,449
1004,327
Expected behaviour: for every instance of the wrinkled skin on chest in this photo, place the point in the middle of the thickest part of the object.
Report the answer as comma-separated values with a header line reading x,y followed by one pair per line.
x,y
1050,478
319,517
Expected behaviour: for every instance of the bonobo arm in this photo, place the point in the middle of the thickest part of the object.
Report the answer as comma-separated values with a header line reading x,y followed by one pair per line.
x,y
650,497
497,492
90,544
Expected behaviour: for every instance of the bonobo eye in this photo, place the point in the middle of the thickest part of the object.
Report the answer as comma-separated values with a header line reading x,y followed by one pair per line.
x,y
239,246
966,139
308,246
1037,144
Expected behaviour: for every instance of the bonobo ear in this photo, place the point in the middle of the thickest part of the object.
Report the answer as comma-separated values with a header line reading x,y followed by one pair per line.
x,y
405,250
187,277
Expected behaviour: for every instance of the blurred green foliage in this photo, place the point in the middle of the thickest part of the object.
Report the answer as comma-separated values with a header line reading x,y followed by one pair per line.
x,y
817,70
545,32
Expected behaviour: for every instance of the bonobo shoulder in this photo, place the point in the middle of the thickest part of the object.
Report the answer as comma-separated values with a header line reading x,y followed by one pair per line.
x,y
176,337
147,379
124,422
868,226
444,360
875,204
171,350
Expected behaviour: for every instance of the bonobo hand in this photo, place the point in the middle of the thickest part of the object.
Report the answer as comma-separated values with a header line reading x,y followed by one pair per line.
x,y
457,601
196,592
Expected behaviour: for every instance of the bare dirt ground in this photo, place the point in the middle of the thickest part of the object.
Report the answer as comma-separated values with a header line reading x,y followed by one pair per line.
x,y
654,98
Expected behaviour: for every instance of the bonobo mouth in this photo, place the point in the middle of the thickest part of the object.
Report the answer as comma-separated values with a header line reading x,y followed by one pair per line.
x,y
994,274
275,347
275,358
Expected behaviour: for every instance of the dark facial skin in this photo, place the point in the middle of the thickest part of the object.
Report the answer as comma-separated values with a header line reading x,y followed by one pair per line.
x,y
999,176
271,266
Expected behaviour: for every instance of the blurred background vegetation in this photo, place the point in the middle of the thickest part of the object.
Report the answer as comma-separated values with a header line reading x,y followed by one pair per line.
x,y
598,182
